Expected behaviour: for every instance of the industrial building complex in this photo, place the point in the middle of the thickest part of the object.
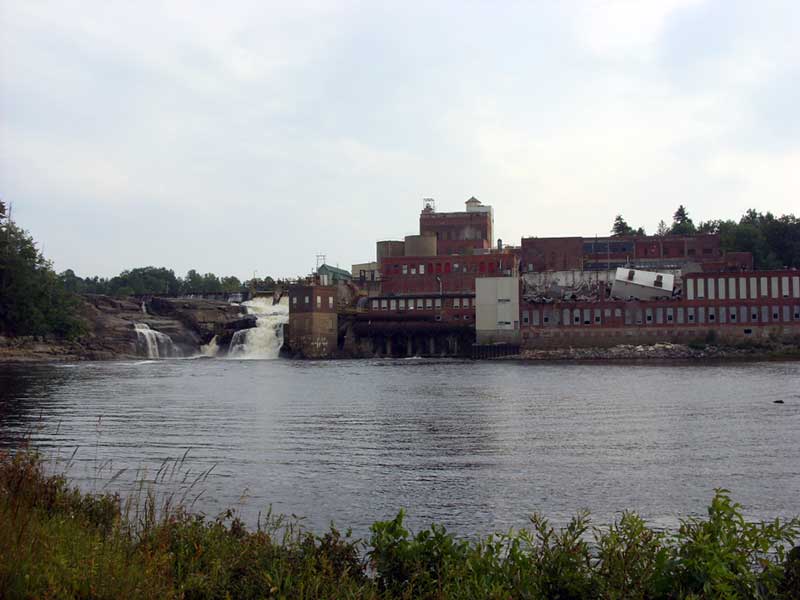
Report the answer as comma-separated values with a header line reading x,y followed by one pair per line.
x,y
451,290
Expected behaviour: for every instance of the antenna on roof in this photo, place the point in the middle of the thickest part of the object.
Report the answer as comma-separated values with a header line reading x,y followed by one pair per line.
x,y
428,205
321,258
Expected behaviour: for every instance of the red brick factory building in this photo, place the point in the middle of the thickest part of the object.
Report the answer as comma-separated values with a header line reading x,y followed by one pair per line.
x,y
451,291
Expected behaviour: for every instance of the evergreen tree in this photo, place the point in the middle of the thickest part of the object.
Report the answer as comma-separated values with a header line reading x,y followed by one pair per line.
x,y
681,223
663,228
621,227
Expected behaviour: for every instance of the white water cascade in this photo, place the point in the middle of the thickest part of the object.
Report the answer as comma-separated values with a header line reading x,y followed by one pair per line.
x,y
266,338
210,349
157,344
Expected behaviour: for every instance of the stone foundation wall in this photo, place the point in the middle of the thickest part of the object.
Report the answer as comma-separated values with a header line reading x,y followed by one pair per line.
x,y
313,335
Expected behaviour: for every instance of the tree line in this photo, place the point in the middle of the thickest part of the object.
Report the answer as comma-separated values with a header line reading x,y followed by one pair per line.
x,y
160,281
773,241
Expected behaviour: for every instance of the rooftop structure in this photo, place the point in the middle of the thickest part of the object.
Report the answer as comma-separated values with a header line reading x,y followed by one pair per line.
x,y
459,232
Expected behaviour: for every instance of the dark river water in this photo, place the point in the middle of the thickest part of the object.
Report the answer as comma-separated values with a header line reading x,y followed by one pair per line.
x,y
477,446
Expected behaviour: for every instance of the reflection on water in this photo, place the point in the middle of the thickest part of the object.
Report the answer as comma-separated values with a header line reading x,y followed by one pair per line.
x,y
477,446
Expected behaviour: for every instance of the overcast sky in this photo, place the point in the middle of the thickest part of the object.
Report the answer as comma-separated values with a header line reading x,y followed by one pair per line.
x,y
241,136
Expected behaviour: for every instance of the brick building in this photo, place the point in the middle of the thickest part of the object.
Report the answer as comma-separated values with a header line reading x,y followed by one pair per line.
x,y
655,252
459,232
313,321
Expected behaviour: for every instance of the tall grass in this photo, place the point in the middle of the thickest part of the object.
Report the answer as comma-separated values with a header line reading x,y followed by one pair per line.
x,y
56,542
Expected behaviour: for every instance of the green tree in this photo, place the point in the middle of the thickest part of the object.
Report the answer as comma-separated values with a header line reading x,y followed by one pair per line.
x,y
33,300
681,223
621,227
231,284
663,229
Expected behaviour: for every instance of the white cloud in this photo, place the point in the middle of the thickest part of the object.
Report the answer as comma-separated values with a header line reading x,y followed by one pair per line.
x,y
623,28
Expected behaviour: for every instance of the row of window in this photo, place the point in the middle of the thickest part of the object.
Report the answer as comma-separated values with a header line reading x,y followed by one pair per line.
x,y
307,300
731,288
420,303
652,250
446,267
663,315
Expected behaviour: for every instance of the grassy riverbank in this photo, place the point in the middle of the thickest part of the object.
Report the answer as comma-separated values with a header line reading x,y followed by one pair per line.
x,y
59,543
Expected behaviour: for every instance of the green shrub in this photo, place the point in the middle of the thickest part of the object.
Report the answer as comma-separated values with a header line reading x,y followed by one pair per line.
x,y
56,542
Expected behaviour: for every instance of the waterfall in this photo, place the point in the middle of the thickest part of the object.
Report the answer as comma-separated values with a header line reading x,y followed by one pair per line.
x,y
211,348
157,344
266,338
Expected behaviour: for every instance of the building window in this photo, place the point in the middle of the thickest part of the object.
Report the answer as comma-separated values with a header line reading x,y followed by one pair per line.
x,y
422,269
330,301
456,302
319,301
294,300
384,304
420,303
307,300
392,304
413,270
405,269
438,303
429,303
374,305
401,304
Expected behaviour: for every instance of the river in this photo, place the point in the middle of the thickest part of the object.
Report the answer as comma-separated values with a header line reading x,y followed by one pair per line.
x,y
477,446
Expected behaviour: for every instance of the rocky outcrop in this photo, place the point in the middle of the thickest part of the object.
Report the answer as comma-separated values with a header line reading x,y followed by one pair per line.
x,y
663,351
111,329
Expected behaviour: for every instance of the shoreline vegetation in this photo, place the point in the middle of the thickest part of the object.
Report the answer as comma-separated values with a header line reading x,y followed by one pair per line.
x,y
57,542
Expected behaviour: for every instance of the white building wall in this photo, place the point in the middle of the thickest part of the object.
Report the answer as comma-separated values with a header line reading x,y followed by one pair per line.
x,y
643,285
497,309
